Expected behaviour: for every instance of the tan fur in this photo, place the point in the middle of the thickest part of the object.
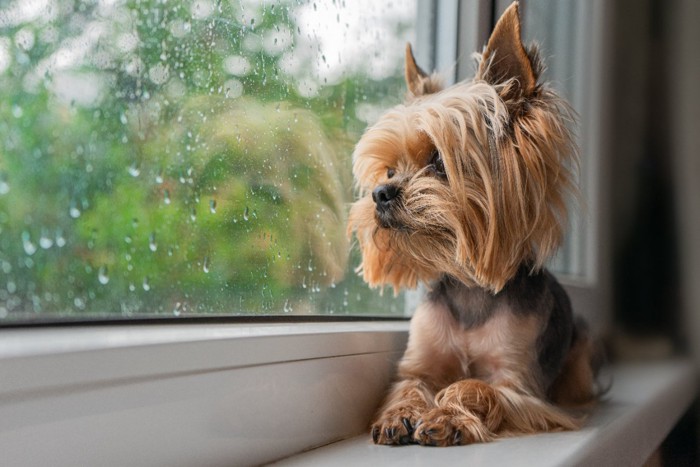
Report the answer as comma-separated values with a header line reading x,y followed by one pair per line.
x,y
495,212
495,202
418,81
575,386
461,386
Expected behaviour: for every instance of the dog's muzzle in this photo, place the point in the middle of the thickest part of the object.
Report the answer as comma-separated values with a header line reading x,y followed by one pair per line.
x,y
385,198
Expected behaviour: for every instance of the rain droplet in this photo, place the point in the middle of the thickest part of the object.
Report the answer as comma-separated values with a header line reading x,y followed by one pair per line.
x,y
29,247
60,239
245,214
193,214
45,241
212,206
159,178
102,275
152,245
146,285
127,239
122,118
166,197
287,306
134,222
205,266
74,211
177,310
4,186
134,171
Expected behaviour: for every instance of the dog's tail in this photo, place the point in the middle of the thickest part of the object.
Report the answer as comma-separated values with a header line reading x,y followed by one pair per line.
x,y
524,413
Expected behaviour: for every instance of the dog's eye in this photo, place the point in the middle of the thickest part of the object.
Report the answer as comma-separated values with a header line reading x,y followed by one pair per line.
x,y
390,173
437,164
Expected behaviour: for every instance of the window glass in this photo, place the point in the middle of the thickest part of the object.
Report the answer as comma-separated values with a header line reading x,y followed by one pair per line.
x,y
178,157
562,29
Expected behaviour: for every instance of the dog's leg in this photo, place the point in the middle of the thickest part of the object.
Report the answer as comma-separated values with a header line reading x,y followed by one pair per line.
x,y
472,410
408,400
467,411
575,385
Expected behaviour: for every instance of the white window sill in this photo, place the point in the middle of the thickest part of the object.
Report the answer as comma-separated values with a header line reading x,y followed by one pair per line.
x,y
645,402
186,395
171,395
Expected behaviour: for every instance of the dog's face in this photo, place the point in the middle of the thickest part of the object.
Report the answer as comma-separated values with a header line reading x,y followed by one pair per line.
x,y
468,181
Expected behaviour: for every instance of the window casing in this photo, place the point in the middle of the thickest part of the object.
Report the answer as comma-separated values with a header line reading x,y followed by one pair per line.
x,y
207,392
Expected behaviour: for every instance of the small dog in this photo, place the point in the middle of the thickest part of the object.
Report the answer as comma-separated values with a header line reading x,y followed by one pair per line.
x,y
464,189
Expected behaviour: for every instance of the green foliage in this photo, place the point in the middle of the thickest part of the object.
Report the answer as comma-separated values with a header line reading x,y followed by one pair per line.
x,y
158,188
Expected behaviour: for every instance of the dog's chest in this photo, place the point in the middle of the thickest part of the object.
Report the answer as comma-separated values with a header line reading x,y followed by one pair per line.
x,y
493,348
504,342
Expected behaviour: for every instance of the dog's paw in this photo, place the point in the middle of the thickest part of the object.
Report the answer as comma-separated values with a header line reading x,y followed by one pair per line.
x,y
395,427
443,427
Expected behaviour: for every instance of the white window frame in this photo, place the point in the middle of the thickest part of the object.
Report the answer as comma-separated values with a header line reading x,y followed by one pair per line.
x,y
209,394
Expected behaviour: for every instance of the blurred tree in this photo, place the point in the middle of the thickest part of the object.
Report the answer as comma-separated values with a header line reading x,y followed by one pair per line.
x,y
157,158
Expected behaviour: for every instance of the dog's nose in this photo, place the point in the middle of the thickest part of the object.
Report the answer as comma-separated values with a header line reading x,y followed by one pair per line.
x,y
383,195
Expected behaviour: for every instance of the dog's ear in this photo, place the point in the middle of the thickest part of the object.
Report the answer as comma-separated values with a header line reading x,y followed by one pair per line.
x,y
505,57
418,81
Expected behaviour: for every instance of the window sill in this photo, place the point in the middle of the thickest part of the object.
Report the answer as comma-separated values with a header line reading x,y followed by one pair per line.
x,y
173,395
645,402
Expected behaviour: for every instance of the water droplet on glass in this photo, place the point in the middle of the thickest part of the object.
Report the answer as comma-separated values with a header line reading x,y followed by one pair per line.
x,y
123,119
159,178
132,287
177,310
127,239
146,285
205,266
212,206
45,241
287,306
193,214
245,214
102,275
4,186
134,222
74,211
17,111
152,245
29,247
134,171
303,282
166,197
60,239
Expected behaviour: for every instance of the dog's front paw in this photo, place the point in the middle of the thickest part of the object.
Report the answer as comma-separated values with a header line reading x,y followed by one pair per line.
x,y
443,427
395,426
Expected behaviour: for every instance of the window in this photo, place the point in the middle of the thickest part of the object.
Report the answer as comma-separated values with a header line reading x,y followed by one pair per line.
x,y
70,189
185,158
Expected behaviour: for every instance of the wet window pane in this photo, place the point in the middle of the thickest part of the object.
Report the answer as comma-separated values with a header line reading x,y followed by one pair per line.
x,y
181,158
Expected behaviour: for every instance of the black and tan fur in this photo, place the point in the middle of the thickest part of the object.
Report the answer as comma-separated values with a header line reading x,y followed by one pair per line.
x,y
464,189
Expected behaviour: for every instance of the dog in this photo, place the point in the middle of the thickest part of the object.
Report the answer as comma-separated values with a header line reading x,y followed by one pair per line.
x,y
464,189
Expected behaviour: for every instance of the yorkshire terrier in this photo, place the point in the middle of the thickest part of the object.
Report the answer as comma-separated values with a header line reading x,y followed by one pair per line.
x,y
464,189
